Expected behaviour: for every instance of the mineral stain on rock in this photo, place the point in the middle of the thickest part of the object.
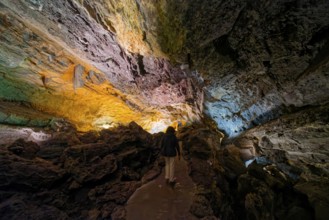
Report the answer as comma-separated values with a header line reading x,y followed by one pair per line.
x,y
83,82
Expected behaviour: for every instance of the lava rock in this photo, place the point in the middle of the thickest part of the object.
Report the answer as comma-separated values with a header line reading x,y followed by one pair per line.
x,y
201,207
25,174
231,160
24,149
89,137
86,169
22,208
118,193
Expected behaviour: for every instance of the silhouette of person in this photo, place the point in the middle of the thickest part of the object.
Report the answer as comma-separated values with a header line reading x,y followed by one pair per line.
x,y
170,149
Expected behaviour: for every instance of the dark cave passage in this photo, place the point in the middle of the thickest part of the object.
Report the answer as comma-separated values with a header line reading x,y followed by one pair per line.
x,y
116,174
87,89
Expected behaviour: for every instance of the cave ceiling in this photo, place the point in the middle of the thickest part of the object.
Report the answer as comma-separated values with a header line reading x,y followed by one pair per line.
x,y
239,63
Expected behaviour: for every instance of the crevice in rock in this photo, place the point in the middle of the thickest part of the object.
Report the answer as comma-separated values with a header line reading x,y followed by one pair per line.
x,y
223,47
142,70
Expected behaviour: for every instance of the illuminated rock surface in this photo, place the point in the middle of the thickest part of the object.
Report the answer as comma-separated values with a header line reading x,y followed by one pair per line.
x,y
98,62
57,57
257,71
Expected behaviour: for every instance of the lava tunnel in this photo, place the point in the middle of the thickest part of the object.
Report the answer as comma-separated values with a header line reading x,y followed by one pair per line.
x,y
89,87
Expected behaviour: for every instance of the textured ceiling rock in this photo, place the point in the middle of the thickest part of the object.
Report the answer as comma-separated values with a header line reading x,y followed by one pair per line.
x,y
299,137
258,69
273,56
297,145
22,115
47,46
153,60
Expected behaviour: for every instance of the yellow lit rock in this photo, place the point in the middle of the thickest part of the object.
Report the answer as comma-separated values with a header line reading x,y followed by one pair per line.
x,y
104,66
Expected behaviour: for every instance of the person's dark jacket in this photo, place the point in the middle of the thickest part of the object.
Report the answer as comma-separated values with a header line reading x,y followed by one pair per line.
x,y
169,145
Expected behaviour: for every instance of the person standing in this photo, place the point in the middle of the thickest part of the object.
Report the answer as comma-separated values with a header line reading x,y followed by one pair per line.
x,y
170,149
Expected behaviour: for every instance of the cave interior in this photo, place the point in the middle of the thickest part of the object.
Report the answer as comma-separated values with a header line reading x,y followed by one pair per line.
x,y
88,88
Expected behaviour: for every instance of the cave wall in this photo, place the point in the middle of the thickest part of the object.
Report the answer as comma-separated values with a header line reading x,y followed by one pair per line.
x,y
259,70
271,57
63,59
241,63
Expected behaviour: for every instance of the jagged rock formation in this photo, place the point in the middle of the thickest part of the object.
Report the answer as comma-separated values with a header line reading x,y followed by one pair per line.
x,y
256,59
92,175
257,71
74,176
55,55
296,144
275,186
270,58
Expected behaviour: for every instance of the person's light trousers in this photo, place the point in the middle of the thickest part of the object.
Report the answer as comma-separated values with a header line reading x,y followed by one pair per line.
x,y
170,168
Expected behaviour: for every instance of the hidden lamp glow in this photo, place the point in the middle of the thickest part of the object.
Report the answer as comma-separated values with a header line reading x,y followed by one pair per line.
x,y
159,126
106,126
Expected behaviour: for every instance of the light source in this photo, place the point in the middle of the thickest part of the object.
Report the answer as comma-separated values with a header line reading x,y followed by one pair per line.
x,y
106,126
104,122
159,126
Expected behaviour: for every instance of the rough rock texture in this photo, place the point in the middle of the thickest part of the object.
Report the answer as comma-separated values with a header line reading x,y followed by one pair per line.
x,y
296,144
92,175
49,50
89,178
301,136
257,70
22,114
272,57
28,174
274,186
257,59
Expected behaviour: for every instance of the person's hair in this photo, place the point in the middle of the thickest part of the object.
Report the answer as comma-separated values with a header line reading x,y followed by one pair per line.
x,y
170,130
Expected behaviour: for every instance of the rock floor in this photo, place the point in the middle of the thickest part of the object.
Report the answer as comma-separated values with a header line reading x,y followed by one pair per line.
x,y
156,200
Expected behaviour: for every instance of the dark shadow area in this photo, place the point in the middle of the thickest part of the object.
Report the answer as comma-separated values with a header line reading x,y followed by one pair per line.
x,y
116,174
223,47
227,189
76,175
